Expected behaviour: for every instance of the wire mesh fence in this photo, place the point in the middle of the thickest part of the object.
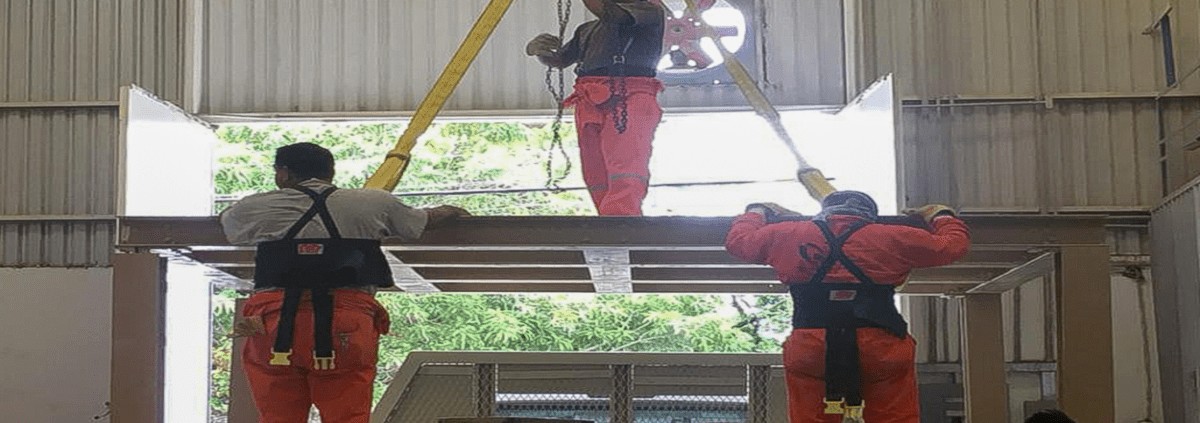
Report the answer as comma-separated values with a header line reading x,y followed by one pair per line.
x,y
658,409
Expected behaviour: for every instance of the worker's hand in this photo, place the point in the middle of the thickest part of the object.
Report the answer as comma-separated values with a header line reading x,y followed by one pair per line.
x,y
543,45
247,326
931,212
769,210
442,215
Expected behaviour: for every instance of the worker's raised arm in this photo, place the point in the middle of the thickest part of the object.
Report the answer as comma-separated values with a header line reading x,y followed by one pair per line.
x,y
748,238
948,243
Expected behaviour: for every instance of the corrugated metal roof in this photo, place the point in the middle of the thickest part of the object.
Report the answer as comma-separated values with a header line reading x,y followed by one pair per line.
x,y
379,55
57,162
85,50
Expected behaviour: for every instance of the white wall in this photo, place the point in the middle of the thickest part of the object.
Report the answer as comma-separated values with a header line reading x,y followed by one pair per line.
x,y
55,344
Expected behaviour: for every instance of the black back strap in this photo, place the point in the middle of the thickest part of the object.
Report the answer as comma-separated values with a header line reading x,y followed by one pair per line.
x,y
836,255
318,208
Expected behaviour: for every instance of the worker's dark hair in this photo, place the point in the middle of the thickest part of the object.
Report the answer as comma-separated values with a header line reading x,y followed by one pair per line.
x,y
1049,416
305,160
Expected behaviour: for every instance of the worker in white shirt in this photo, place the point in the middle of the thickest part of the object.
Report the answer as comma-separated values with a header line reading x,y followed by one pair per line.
x,y
317,267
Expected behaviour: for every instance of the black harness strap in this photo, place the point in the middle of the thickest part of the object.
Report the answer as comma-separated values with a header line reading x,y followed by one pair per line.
x,y
322,298
843,371
836,255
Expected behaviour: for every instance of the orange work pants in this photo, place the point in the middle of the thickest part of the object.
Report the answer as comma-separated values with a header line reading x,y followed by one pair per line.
x,y
284,394
616,166
889,377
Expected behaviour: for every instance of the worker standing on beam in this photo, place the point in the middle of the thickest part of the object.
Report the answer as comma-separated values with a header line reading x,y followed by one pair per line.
x,y
318,266
849,355
615,98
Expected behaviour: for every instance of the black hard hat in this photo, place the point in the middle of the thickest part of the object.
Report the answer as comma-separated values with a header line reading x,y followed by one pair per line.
x,y
856,199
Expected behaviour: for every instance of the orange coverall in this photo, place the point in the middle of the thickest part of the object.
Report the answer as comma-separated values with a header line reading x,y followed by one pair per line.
x,y
885,253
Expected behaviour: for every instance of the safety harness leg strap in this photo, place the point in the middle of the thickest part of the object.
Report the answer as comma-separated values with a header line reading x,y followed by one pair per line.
x,y
322,301
282,351
843,370
322,298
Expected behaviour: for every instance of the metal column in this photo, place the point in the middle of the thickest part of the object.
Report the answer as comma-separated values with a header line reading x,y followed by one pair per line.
x,y
621,401
759,395
984,384
138,338
1085,347
485,390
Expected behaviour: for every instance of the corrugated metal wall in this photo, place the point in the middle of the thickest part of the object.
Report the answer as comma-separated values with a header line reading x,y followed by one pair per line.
x,y
1077,125
64,62
1011,49
382,55
1176,242
1036,106
85,50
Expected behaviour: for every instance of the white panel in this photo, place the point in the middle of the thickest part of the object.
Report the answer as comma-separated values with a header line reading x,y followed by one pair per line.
x,y
186,365
1135,364
381,55
56,352
1175,235
153,184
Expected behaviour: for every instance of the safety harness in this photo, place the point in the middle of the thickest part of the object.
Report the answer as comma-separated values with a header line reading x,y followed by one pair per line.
x,y
840,308
317,266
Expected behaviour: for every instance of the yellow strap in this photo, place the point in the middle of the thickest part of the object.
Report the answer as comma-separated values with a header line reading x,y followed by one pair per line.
x,y
815,182
388,175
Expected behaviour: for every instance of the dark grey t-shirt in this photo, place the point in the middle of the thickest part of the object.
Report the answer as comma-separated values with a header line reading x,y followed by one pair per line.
x,y
633,28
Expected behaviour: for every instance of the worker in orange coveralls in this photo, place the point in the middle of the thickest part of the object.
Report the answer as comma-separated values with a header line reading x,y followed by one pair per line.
x,y
615,98
318,265
849,355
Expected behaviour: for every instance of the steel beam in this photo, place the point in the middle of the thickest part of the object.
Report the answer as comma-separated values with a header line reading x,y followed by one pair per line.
x,y
613,231
1085,349
1043,265
983,359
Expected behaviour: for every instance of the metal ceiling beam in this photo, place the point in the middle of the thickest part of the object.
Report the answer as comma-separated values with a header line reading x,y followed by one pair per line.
x,y
1043,265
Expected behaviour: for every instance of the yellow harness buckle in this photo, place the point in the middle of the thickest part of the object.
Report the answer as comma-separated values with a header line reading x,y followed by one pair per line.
x,y
281,358
854,413
323,363
835,407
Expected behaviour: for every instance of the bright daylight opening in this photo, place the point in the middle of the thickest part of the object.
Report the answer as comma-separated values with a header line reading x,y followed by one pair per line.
x,y
703,165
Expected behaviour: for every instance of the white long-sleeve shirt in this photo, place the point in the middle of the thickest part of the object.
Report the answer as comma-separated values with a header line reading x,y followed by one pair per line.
x,y
358,213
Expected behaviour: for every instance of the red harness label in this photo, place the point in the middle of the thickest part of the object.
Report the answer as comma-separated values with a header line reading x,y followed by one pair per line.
x,y
310,249
843,295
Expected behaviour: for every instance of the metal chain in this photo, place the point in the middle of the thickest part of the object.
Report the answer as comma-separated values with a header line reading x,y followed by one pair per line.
x,y
559,93
619,90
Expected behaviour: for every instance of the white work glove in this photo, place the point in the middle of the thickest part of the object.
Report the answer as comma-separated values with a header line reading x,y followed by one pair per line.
x,y
543,45
769,210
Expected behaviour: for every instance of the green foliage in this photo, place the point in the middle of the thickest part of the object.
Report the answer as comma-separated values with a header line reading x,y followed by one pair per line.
x,y
488,156
457,156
